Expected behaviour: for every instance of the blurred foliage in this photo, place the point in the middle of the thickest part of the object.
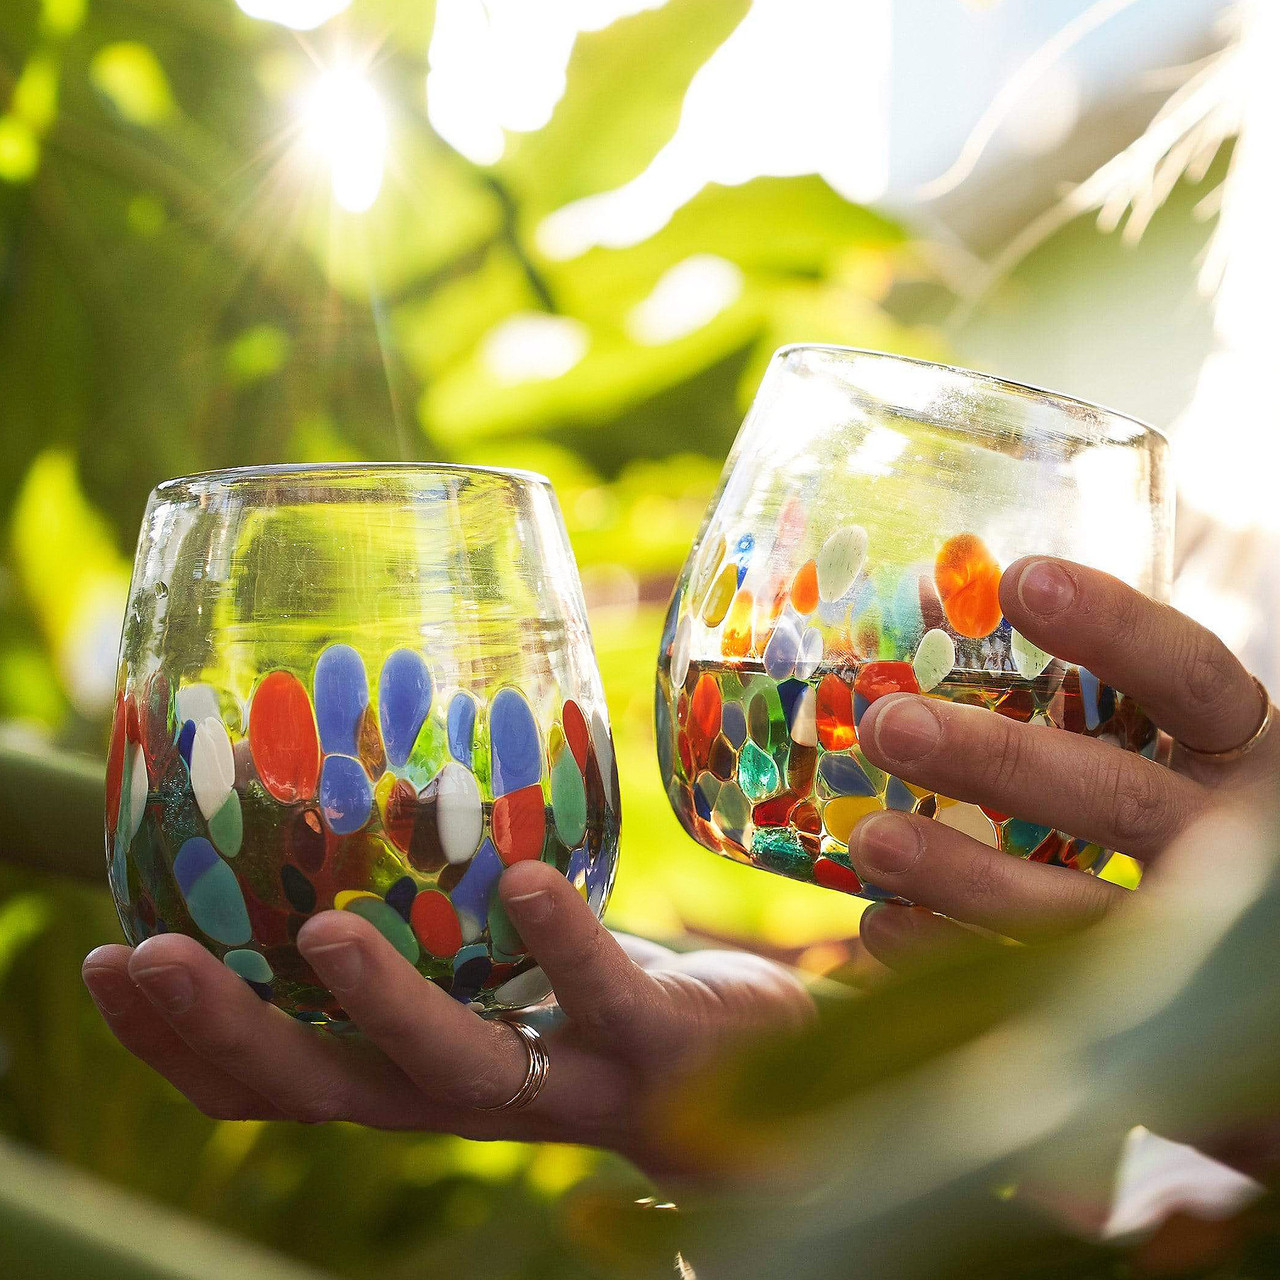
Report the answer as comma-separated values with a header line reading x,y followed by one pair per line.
x,y
968,1120
178,291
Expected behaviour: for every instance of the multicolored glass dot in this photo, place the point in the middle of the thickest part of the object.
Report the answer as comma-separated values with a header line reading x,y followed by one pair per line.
x,y
764,679
402,805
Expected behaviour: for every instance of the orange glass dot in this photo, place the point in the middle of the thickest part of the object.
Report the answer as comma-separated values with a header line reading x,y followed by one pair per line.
x,y
769,605
804,587
735,639
834,714
968,580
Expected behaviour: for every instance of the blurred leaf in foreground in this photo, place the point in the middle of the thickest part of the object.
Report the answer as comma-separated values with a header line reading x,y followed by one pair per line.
x,y
902,1117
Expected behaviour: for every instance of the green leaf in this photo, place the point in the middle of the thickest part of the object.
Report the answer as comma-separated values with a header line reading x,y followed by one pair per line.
x,y
625,88
429,215
130,75
72,573
617,392
22,918
19,150
439,330
910,1107
53,805
769,226
56,1223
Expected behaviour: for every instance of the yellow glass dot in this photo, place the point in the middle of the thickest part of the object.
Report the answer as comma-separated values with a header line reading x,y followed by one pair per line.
x,y
347,896
720,596
841,815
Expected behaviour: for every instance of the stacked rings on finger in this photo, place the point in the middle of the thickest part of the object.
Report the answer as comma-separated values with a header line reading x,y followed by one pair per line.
x,y
536,1075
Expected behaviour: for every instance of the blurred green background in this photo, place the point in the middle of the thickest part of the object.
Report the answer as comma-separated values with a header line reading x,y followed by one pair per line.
x,y
227,242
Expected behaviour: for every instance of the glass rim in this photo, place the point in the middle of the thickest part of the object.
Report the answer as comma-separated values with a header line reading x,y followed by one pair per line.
x,y
1045,394
303,471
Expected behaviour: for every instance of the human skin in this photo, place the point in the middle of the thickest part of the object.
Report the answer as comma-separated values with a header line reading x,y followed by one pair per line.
x,y
1186,679
636,1018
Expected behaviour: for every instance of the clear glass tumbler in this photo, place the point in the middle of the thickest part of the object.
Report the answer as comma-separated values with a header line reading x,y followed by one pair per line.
x,y
367,687
854,548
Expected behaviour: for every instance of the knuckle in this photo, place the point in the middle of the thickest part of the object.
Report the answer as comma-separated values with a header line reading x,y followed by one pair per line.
x,y
1207,671
1085,902
487,1088
611,1009
584,955
1135,799
1001,756
1119,613
983,880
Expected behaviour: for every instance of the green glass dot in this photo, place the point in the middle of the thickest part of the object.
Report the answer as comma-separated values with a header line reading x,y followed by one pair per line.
x,y
388,922
502,933
778,849
430,751
252,966
732,809
878,777
757,773
216,903
481,763
568,799
226,827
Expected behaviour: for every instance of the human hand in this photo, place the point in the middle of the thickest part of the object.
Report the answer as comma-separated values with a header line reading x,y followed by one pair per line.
x,y
1182,675
636,1018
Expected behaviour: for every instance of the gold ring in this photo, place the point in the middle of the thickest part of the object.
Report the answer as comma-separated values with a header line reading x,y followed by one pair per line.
x,y
1235,753
536,1075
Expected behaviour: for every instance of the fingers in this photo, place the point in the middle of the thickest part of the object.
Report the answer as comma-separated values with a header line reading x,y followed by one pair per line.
x,y
601,989
448,1052
1182,675
729,996
142,1029
460,1064
1117,799
913,937
304,1074
943,869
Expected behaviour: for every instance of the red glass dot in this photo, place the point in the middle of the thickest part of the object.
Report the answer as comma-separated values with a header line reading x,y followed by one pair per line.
x,y
834,714
282,737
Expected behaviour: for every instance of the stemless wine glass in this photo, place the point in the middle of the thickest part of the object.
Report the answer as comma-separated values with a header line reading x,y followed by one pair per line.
x,y
854,548
367,687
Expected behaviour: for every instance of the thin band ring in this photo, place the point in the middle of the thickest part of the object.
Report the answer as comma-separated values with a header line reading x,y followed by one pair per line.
x,y
536,1075
1236,753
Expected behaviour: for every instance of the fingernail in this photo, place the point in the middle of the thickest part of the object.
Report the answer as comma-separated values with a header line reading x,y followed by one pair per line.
x,y
340,964
531,908
1045,588
907,729
887,844
109,990
169,986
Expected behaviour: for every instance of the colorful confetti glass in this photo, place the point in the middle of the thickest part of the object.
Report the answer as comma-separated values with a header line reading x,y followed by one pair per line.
x,y
879,499
967,576
320,731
